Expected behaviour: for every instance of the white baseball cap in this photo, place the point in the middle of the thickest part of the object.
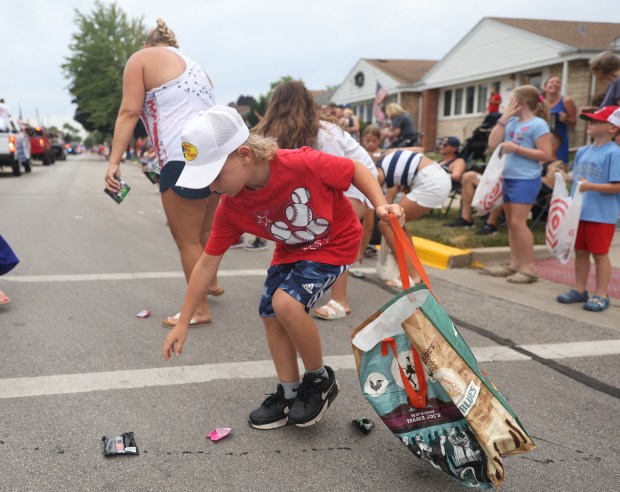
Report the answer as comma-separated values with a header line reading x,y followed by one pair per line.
x,y
614,118
207,140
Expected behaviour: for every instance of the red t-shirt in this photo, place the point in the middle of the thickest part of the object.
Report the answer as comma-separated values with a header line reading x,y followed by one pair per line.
x,y
302,208
494,103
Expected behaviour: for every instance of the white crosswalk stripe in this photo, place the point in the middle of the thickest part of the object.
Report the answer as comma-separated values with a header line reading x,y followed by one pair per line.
x,y
166,376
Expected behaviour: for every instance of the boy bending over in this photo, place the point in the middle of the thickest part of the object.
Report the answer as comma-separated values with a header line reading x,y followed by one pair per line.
x,y
295,198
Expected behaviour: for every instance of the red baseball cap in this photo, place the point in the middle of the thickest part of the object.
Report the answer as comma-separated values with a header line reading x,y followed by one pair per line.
x,y
602,114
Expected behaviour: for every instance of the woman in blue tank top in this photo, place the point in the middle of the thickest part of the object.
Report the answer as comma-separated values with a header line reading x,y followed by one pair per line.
x,y
563,113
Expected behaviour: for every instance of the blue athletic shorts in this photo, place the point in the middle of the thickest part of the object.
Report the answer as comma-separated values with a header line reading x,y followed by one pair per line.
x,y
304,281
521,190
168,179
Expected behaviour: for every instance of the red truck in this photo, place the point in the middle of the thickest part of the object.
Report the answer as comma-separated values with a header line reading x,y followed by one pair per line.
x,y
40,144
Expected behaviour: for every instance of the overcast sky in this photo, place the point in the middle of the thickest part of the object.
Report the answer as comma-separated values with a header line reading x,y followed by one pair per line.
x,y
246,44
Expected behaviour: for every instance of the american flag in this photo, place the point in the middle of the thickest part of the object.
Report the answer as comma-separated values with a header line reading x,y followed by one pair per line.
x,y
380,96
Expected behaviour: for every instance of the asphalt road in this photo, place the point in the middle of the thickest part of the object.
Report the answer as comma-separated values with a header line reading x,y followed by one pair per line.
x,y
76,364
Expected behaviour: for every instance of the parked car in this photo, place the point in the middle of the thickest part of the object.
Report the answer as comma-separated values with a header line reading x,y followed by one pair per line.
x,y
14,146
40,144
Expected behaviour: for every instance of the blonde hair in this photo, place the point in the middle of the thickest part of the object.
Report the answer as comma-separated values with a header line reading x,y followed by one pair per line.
x,y
263,148
606,62
162,34
393,109
531,96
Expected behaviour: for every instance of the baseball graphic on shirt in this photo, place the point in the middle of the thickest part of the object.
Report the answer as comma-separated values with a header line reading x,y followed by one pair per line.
x,y
280,230
317,226
299,215
299,237
300,195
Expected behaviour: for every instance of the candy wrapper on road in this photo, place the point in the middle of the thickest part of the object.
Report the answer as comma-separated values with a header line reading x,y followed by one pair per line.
x,y
145,313
363,424
123,444
219,433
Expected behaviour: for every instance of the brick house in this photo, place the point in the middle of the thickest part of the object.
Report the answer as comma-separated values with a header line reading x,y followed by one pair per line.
x,y
508,53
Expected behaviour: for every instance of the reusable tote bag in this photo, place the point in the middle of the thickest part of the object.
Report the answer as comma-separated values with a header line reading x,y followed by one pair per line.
x,y
424,382
563,219
490,191
8,260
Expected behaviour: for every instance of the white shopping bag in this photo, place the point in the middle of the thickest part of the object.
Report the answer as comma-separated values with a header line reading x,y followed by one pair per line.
x,y
490,192
563,219
387,266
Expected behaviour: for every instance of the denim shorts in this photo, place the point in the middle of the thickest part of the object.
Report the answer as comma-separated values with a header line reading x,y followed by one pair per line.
x,y
168,179
521,190
305,281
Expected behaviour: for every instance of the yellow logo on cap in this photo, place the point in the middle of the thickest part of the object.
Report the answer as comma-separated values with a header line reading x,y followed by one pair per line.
x,y
189,151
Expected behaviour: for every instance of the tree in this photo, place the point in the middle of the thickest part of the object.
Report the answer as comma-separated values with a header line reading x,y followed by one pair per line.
x,y
245,101
106,38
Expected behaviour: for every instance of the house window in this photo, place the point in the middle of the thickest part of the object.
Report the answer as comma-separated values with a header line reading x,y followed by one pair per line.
x,y
470,97
458,101
447,103
467,100
534,78
483,90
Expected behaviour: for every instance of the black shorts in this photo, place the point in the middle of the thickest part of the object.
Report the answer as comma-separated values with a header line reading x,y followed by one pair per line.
x,y
170,174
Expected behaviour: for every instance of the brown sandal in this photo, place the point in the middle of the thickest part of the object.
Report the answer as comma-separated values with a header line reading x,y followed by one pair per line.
x,y
499,271
522,278
216,292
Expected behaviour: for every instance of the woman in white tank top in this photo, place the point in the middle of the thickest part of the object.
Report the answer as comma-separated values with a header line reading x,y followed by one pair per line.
x,y
166,88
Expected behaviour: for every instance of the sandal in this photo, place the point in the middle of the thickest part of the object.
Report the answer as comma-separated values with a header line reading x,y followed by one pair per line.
x,y
216,292
597,304
499,271
334,310
522,278
4,299
397,283
167,323
573,296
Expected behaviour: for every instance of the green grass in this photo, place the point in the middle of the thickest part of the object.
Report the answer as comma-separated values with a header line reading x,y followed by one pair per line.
x,y
431,227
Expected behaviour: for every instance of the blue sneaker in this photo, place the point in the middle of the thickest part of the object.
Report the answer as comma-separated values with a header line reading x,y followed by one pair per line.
x,y
597,304
572,296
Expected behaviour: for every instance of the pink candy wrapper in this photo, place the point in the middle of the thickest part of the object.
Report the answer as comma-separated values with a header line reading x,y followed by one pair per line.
x,y
219,433
143,314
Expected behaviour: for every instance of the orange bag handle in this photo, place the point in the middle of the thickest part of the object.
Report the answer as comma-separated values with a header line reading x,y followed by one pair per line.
x,y
404,247
417,399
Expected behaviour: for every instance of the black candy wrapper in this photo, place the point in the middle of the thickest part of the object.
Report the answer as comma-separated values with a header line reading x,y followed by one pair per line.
x,y
123,444
363,424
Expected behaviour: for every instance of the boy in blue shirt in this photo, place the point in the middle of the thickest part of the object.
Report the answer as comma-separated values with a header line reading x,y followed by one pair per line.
x,y
597,167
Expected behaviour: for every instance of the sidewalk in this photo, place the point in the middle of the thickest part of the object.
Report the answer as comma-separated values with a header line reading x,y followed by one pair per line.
x,y
550,268
554,278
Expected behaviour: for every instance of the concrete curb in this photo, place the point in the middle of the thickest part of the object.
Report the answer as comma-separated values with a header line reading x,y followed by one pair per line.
x,y
501,254
441,256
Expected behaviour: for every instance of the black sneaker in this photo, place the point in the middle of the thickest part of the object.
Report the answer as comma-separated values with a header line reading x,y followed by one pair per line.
x,y
371,251
314,397
257,245
238,244
460,222
487,229
273,412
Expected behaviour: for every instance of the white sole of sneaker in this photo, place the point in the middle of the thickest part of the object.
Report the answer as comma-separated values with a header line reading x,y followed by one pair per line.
x,y
271,425
328,402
